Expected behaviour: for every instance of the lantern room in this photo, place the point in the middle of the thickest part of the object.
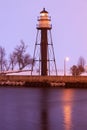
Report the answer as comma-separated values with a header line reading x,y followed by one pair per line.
x,y
44,20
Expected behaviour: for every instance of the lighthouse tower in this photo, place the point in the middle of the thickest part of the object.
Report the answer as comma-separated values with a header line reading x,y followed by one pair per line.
x,y
44,60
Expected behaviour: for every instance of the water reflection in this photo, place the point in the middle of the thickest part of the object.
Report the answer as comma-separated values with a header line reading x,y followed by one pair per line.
x,y
67,109
44,111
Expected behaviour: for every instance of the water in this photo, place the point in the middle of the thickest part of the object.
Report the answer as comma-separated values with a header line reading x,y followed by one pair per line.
x,y
43,109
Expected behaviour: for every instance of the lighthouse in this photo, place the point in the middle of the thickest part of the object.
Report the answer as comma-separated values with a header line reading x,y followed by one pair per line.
x,y
44,57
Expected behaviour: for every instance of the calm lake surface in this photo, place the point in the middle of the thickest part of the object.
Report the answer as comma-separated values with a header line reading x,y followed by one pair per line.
x,y
43,109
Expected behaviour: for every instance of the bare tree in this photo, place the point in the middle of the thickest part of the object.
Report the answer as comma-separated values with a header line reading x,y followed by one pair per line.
x,y
81,64
22,59
27,60
74,70
81,61
79,68
3,61
12,61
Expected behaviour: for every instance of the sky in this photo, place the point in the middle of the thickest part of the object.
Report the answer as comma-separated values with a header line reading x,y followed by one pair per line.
x,y
18,19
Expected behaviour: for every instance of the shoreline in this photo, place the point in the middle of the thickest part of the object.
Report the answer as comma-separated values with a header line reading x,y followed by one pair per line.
x,y
43,81
36,84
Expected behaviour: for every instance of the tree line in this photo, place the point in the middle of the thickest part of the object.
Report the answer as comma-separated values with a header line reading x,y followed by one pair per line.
x,y
18,59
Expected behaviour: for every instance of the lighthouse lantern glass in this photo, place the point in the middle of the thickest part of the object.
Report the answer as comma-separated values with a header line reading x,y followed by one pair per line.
x,y
44,14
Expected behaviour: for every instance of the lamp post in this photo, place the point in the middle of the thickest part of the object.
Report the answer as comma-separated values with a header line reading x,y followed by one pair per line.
x,y
65,60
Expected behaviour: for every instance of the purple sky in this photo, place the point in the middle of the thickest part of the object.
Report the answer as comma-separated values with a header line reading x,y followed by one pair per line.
x,y
18,19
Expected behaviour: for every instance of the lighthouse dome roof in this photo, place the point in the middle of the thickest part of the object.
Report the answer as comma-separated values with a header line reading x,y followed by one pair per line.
x,y
43,11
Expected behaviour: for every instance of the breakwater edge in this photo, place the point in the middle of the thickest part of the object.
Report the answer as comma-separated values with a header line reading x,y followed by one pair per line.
x,y
43,81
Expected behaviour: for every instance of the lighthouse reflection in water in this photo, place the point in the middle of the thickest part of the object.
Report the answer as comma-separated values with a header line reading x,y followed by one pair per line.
x,y
43,109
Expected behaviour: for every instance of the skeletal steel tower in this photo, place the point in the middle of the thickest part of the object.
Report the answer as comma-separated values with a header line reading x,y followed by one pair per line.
x,y
44,59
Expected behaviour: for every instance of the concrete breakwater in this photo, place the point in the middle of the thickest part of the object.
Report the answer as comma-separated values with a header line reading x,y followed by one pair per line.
x,y
30,84
44,81
43,84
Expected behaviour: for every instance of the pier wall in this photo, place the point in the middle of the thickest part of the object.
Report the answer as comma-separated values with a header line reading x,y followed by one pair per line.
x,y
65,79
